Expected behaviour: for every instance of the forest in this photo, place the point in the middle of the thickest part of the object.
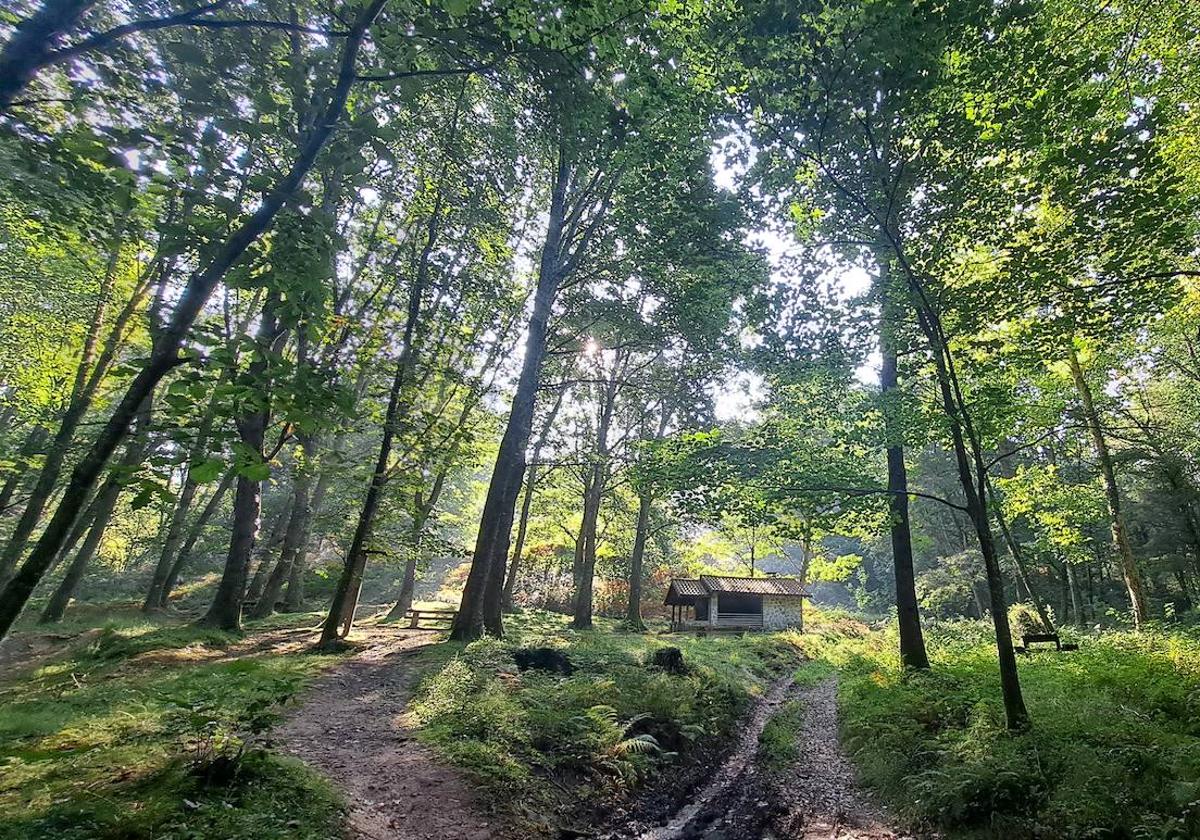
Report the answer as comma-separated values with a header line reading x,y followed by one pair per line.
x,y
375,374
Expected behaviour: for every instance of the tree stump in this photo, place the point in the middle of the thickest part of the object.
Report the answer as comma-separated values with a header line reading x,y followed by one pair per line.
x,y
669,659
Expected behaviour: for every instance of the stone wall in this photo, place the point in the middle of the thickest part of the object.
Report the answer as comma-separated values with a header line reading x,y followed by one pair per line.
x,y
780,613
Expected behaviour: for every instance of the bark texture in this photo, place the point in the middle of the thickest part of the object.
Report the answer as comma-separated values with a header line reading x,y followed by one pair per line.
x,y
1112,496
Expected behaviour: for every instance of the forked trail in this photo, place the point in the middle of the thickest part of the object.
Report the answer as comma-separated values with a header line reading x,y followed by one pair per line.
x,y
350,727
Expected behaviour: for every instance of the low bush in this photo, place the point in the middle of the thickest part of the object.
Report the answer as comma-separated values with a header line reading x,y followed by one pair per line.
x,y
611,726
1114,750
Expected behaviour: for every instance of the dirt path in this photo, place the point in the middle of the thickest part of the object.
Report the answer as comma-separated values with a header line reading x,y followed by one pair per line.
x,y
822,797
349,729
817,799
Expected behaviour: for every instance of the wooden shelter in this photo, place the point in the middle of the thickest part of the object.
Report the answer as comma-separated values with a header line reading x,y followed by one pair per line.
x,y
718,602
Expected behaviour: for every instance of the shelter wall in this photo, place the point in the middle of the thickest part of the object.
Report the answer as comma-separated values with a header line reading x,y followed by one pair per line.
x,y
780,613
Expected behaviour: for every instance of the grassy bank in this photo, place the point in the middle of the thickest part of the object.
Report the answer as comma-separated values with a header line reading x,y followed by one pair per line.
x,y
151,730
617,723
1114,751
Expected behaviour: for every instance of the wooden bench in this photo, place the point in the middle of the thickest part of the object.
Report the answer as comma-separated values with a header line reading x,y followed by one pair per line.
x,y
440,616
1030,639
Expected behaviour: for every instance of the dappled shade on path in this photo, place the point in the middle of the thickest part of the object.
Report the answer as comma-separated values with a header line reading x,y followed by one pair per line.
x,y
349,728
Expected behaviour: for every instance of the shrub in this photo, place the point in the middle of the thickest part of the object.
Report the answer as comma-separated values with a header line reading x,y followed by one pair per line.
x,y
612,724
1114,750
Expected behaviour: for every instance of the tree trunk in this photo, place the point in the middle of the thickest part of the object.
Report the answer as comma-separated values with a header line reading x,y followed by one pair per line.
x,y
31,46
176,528
265,549
293,538
481,601
586,574
165,354
193,537
514,565
1073,585
1120,534
591,507
226,609
77,405
1018,556
633,614
912,640
105,504
345,596
293,599
972,474
510,580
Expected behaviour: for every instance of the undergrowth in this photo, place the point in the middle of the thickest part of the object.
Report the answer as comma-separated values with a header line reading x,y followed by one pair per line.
x,y
154,730
535,740
1114,750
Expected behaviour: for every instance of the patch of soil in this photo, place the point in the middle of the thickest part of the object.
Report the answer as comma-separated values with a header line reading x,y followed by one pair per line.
x,y
349,727
819,797
22,652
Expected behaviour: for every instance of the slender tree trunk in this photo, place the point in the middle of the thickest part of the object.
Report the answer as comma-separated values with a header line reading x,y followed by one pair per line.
x,y
264,550
31,46
595,496
293,538
1120,534
1018,556
177,526
510,580
972,473
633,614
293,599
422,512
345,596
226,609
301,504
34,441
584,583
912,640
105,504
165,354
408,586
495,526
194,533
514,565
980,606
1073,586
1091,593
1185,591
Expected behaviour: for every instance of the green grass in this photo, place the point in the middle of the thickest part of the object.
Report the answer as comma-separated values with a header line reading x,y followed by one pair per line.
x,y
546,741
777,747
1114,751
102,740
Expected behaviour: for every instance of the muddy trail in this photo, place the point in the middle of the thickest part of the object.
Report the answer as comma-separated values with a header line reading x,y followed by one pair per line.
x,y
817,798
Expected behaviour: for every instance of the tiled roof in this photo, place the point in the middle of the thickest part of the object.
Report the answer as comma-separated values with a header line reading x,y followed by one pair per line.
x,y
753,586
686,586
683,590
